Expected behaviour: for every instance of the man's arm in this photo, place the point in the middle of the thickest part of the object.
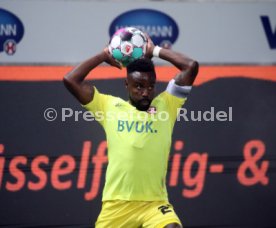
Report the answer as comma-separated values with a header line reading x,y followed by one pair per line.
x,y
75,79
187,66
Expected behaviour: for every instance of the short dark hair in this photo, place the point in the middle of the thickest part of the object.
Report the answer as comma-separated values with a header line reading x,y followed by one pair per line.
x,y
141,65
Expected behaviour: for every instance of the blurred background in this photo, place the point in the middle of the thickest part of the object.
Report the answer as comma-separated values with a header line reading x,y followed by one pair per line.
x,y
222,167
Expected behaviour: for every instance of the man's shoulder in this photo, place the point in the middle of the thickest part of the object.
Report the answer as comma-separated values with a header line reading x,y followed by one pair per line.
x,y
116,103
107,96
103,101
162,97
167,101
168,97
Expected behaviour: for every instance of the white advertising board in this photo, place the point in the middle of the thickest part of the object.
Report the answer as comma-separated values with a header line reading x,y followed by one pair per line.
x,y
67,32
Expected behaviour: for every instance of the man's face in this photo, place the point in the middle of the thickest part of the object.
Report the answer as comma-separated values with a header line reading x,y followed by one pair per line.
x,y
140,87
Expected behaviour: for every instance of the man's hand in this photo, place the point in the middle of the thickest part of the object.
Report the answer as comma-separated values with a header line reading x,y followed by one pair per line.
x,y
110,60
150,47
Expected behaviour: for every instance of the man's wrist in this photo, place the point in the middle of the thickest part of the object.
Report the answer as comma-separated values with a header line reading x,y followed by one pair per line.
x,y
156,51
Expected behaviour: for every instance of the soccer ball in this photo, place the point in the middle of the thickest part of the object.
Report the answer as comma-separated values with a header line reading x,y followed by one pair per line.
x,y
127,44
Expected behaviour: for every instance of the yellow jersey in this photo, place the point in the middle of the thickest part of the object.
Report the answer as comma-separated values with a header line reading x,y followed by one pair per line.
x,y
138,145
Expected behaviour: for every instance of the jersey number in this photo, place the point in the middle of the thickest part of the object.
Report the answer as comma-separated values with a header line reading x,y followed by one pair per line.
x,y
165,209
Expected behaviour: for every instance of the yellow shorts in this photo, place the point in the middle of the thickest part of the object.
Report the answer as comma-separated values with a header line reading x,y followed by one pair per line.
x,y
134,214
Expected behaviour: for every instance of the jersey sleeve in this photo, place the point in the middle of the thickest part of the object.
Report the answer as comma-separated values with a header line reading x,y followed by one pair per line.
x,y
98,106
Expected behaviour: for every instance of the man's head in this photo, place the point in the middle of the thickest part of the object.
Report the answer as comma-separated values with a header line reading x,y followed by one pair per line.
x,y
140,83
